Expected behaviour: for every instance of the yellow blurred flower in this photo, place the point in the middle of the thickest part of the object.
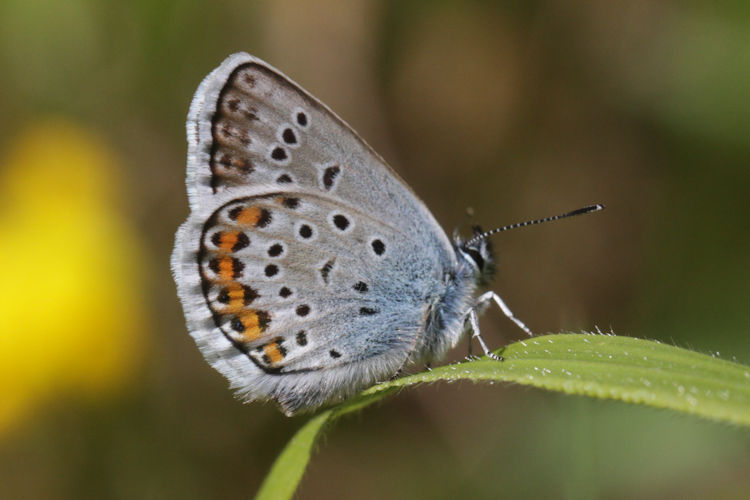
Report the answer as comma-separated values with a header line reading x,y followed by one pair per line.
x,y
71,315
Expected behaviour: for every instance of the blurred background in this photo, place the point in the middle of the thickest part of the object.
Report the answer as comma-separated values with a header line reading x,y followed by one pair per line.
x,y
519,109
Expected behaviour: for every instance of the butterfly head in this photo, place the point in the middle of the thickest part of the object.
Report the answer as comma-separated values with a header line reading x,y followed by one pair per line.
x,y
477,253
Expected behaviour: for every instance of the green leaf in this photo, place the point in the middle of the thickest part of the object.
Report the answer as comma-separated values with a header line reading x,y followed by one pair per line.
x,y
602,366
287,472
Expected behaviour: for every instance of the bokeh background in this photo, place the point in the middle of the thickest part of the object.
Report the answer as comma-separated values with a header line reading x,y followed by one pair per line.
x,y
519,109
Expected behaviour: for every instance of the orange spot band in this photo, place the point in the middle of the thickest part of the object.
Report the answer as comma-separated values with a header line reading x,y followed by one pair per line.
x,y
272,351
249,216
228,240
252,323
226,268
236,298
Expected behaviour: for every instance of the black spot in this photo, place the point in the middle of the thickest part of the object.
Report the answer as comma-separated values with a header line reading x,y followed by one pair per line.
x,y
301,338
275,250
216,238
305,231
242,242
265,218
340,221
291,203
280,347
283,179
271,270
285,292
237,325
361,287
233,104
237,268
248,295
278,154
235,212
326,270
334,354
302,119
378,247
263,319
213,265
303,310
329,175
288,136
367,311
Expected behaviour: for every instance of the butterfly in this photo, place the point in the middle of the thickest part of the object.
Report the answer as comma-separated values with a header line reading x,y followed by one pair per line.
x,y
307,269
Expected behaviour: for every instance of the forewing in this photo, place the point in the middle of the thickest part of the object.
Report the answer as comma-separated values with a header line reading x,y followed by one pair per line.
x,y
250,126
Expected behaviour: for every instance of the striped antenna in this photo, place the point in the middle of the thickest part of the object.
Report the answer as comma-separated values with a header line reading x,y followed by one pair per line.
x,y
487,234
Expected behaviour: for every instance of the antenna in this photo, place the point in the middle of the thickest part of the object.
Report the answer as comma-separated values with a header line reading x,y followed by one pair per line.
x,y
580,211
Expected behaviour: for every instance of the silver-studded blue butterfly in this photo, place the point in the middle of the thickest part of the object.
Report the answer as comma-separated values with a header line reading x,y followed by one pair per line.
x,y
307,269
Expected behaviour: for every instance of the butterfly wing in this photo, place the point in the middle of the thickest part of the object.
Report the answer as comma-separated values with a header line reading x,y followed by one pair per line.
x,y
297,267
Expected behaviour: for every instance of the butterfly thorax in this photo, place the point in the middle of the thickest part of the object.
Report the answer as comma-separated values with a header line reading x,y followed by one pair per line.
x,y
446,313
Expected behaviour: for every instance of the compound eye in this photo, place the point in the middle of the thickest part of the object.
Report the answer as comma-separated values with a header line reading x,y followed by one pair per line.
x,y
476,257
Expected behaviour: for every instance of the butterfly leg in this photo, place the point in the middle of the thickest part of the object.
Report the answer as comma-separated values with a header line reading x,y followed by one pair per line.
x,y
474,322
486,297
470,354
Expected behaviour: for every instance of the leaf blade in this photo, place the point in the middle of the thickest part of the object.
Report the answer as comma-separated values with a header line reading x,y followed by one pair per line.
x,y
627,369
289,467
